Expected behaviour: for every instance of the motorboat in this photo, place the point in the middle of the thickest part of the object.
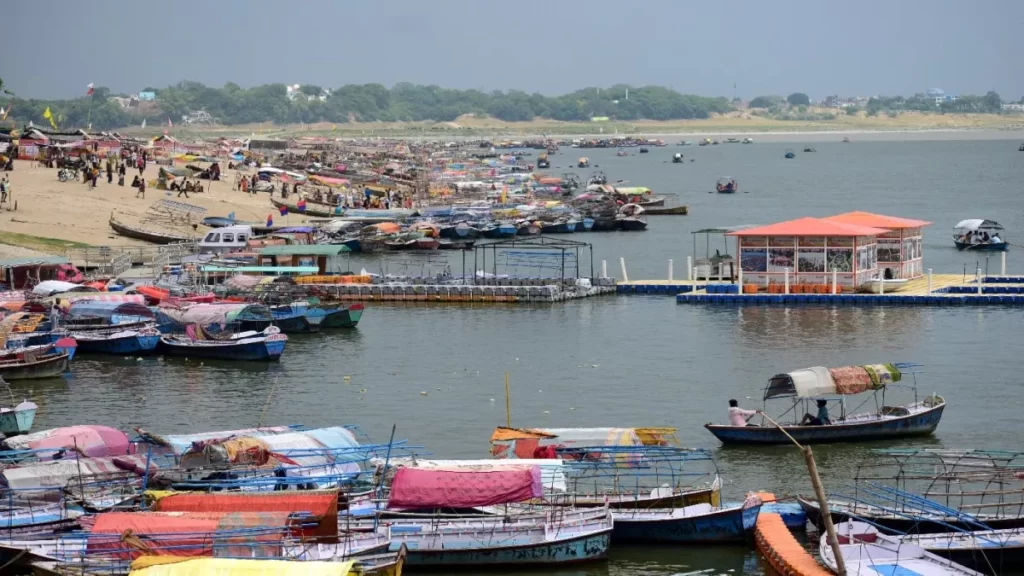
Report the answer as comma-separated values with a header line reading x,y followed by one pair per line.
x,y
677,158
583,162
622,152
790,153
631,217
748,140
977,234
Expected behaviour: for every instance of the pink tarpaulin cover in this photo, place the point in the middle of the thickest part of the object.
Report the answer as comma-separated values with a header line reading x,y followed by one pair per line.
x,y
416,488
89,440
851,379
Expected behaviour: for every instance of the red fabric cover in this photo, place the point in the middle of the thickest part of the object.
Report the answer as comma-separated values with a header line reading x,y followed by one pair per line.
x,y
851,379
323,505
416,488
182,533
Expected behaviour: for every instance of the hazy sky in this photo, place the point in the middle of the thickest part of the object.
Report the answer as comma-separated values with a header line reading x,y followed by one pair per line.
x,y
853,47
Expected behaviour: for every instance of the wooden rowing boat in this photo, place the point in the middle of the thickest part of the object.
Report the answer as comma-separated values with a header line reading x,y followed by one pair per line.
x,y
146,235
673,211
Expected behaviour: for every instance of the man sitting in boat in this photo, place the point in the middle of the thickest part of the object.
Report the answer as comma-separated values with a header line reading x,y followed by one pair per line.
x,y
738,416
822,419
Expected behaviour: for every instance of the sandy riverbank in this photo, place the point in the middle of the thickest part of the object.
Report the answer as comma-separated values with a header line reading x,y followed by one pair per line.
x,y
910,125
60,215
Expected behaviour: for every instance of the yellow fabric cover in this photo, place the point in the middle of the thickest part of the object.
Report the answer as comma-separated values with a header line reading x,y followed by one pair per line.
x,y
180,566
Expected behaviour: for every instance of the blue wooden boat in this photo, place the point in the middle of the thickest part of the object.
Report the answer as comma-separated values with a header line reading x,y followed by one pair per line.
x,y
267,345
559,227
299,317
914,419
459,231
696,524
17,420
500,230
118,341
343,316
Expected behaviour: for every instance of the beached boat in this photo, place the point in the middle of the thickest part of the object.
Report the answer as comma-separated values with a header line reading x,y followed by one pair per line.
x,y
980,235
867,552
695,524
152,236
319,211
920,417
266,345
673,211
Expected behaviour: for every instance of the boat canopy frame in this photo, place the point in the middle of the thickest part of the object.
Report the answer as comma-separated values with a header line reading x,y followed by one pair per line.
x,y
536,243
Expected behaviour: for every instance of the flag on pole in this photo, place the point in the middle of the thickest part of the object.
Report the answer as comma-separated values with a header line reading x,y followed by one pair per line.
x,y
283,210
302,204
270,220
49,116
143,122
89,89
169,124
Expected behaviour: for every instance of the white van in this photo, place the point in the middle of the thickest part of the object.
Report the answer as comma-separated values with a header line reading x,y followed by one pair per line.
x,y
226,239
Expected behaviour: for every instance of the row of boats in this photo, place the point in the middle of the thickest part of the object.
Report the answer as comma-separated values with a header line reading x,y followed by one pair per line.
x,y
100,500
39,336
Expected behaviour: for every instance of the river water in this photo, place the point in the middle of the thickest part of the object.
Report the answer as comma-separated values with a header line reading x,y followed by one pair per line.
x,y
633,360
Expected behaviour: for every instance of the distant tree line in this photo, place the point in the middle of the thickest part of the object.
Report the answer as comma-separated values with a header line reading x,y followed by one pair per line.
x,y
233,104
990,103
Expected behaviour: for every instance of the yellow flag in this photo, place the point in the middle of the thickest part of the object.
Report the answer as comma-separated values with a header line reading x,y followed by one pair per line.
x,y
49,116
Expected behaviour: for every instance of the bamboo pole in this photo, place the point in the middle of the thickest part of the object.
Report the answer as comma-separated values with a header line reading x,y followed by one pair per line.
x,y
508,405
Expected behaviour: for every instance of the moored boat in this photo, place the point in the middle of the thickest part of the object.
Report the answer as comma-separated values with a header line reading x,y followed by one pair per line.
x,y
266,345
868,552
695,524
17,419
673,211
41,361
998,551
631,217
343,316
119,341
920,417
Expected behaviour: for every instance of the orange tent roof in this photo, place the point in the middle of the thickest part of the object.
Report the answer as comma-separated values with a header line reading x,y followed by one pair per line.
x,y
809,227
860,218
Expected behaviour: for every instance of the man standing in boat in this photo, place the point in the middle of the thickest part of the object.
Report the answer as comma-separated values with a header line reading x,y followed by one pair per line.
x,y
738,416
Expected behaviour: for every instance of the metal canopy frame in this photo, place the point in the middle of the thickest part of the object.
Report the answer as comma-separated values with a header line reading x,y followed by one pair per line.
x,y
539,243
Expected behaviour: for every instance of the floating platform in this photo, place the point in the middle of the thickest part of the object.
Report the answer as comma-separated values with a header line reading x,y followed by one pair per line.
x,y
946,290
538,290
781,549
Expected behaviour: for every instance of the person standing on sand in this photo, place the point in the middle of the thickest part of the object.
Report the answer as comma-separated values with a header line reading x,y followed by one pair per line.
x,y
120,174
141,192
4,185
110,171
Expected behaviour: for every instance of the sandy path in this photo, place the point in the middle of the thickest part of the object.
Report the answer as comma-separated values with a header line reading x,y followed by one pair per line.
x,y
71,211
